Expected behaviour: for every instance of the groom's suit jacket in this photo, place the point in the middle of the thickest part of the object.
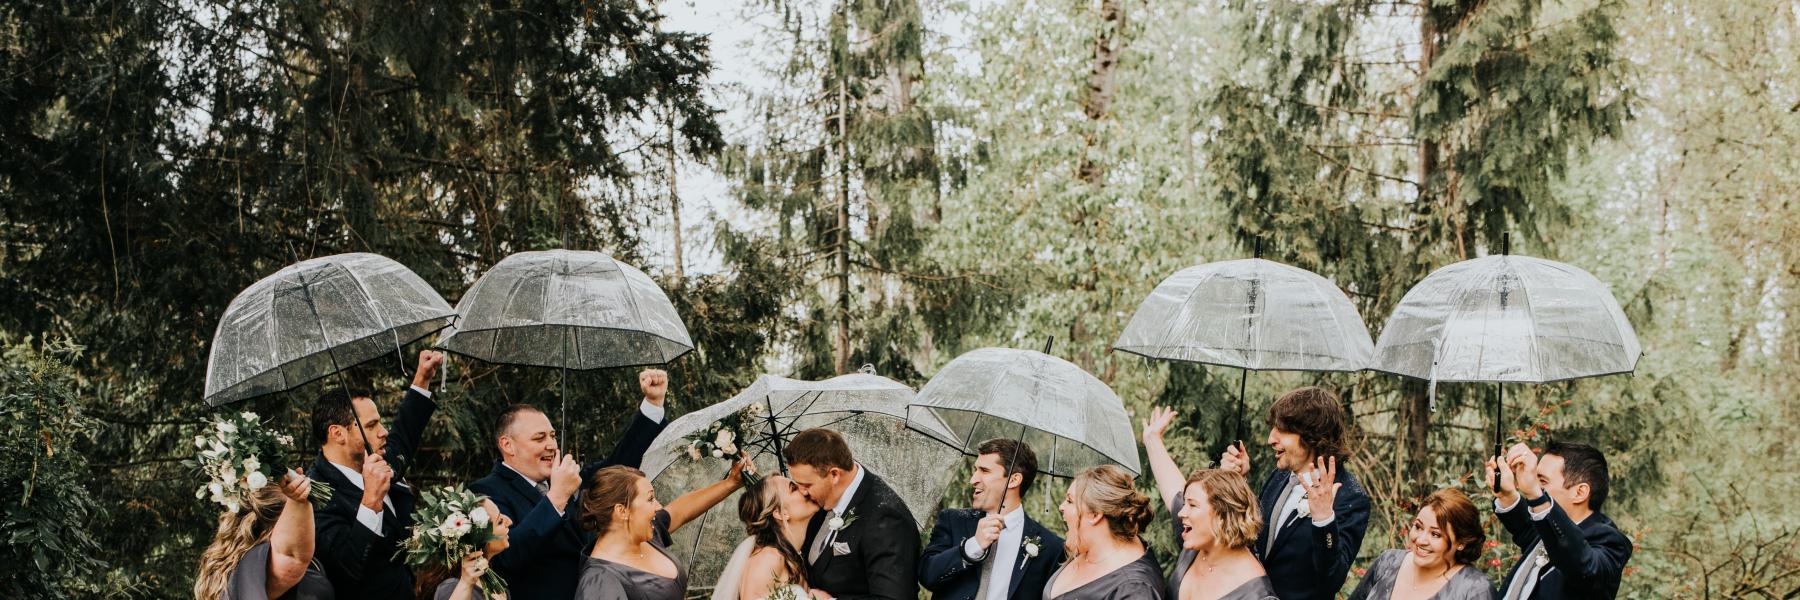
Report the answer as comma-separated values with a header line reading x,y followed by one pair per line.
x,y
544,553
875,554
360,563
952,576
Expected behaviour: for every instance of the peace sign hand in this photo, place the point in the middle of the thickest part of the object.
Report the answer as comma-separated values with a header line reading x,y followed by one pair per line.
x,y
1321,487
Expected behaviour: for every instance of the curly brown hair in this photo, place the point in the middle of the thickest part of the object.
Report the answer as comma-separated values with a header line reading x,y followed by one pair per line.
x,y
1317,416
1461,523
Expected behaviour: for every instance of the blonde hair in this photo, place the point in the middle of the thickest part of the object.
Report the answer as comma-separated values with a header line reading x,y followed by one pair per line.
x,y
1109,491
1236,517
238,532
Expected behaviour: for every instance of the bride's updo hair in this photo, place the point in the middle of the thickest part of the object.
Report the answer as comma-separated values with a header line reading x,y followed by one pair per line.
x,y
1108,490
756,508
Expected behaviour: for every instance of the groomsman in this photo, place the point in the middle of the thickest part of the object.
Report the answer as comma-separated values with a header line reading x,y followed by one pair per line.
x,y
358,532
533,485
992,551
865,544
1572,549
1316,511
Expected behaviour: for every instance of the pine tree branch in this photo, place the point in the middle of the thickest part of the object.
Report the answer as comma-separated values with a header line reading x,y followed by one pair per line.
x,y
1370,173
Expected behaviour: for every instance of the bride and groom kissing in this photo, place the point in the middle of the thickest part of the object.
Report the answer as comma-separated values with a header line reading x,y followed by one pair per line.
x,y
832,529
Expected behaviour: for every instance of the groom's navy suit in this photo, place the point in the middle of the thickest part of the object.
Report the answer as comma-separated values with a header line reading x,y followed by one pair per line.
x,y
543,556
952,576
874,555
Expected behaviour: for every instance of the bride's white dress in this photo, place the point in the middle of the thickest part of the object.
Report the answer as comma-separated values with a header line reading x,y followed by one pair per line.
x,y
733,576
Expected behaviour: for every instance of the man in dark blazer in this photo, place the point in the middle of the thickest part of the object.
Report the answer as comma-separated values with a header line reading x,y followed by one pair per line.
x,y
539,490
1314,511
864,543
357,534
1572,550
992,551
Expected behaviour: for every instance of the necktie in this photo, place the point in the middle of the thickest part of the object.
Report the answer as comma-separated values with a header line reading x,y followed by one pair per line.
x,y
1521,585
543,488
987,573
1281,507
818,545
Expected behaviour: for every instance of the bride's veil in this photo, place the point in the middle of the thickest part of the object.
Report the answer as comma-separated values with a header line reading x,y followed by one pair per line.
x,y
727,588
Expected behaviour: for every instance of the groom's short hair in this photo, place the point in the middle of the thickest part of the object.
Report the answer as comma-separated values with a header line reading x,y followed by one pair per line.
x,y
335,407
1016,453
820,449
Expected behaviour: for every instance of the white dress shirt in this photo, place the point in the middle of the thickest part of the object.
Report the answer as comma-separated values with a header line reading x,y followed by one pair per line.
x,y
843,503
1006,554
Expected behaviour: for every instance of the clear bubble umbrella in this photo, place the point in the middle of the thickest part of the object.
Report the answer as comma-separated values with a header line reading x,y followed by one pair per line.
x,y
567,309
1071,419
315,318
1507,319
870,412
1251,314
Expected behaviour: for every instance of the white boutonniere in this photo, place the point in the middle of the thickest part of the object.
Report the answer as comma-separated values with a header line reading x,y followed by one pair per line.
x,y
1031,546
841,521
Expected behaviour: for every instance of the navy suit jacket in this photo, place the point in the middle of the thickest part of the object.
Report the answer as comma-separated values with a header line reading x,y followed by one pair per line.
x,y
951,576
1309,562
881,547
544,553
1586,560
359,563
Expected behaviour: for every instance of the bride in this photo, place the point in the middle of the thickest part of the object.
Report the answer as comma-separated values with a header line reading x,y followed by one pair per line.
x,y
770,564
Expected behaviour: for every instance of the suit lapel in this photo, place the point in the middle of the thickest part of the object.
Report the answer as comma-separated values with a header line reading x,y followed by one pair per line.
x,y
1023,560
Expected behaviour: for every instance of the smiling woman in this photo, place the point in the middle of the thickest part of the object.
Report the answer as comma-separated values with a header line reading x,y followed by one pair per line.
x,y
1442,542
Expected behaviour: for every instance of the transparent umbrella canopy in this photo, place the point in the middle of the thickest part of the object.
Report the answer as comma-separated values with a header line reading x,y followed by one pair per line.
x,y
1068,417
1251,314
315,318
1507,319
870,412
567,309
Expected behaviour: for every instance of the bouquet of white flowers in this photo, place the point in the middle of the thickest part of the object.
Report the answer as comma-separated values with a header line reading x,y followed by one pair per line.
x,y
721,438
447,526
238,454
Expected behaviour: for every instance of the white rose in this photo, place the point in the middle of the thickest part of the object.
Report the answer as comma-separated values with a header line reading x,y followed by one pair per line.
x,y
835,523
716,453
227,427
455,525
229,474
217,492
479,516
248,416
257,480
251,464
724,438
200,442
1031,550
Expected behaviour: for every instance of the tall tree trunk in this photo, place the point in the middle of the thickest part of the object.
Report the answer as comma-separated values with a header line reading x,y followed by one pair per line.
x,y
675,205
1097,101
1415,409
841,341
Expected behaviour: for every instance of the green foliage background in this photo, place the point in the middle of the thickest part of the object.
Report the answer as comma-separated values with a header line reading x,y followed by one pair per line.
x,y
1032,175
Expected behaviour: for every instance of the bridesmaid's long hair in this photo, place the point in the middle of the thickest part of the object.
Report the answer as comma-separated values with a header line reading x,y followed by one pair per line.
x,y
238,532
757,511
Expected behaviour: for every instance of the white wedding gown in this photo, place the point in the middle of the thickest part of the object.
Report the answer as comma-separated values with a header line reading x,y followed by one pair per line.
x,y
733,576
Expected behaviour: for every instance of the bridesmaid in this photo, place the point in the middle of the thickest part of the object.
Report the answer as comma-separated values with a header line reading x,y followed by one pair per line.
x,y
1107,560
1216,521
438,583
265,549
631,559
1443,541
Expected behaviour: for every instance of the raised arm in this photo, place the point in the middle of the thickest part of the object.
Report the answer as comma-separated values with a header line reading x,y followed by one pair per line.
x,y
695,503
1169,480
291,542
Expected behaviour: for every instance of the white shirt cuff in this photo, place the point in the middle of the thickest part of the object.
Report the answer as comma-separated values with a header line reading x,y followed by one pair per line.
x,y
369,519
656,413
1508,508
422,391
1325,522
973,549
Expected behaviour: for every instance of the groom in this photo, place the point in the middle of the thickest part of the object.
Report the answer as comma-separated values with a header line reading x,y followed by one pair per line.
x,y
865,543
